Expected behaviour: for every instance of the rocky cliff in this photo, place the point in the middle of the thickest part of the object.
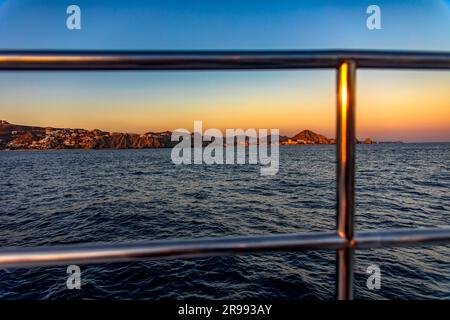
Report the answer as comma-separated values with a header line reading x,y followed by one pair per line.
x,y
19,137
310,137
14,137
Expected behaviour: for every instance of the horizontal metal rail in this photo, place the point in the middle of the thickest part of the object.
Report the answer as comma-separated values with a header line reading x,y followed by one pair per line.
x,y
402,237
205,247
217,60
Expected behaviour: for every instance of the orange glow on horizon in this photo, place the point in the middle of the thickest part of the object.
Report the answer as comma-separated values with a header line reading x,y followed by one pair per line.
x,y
404,106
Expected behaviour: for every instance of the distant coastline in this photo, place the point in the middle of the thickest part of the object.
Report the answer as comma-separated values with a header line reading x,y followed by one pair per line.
x,y
22,137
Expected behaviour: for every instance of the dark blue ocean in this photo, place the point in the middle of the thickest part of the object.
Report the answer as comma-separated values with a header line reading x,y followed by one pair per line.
x,y
62,197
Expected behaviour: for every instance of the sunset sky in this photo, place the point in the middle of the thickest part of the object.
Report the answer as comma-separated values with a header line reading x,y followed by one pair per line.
x,y
392,105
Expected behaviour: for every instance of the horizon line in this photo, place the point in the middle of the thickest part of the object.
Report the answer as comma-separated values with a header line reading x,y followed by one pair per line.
x,y
2,122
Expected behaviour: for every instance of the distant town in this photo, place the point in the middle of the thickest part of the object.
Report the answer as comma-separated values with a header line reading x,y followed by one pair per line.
x,y
21,137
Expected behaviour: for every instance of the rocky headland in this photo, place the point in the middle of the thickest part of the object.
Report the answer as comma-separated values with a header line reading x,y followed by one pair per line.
x,y
310,137
21,137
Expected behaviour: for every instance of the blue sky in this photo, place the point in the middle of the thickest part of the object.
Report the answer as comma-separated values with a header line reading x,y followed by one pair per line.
x,y
230,24
142,101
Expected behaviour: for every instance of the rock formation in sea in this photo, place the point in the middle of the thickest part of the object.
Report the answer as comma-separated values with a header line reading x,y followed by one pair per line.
x,y
308,137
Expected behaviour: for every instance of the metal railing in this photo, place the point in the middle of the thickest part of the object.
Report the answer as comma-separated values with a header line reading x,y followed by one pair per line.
x,y
344,240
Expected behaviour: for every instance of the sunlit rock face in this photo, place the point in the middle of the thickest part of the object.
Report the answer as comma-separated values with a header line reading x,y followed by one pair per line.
x,y
308,137
18,137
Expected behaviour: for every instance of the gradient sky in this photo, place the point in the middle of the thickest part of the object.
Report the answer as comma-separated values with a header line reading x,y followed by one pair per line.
x,y
392,105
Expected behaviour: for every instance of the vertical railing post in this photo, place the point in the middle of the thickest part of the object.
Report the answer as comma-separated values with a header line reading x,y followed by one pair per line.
x,y
345,141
